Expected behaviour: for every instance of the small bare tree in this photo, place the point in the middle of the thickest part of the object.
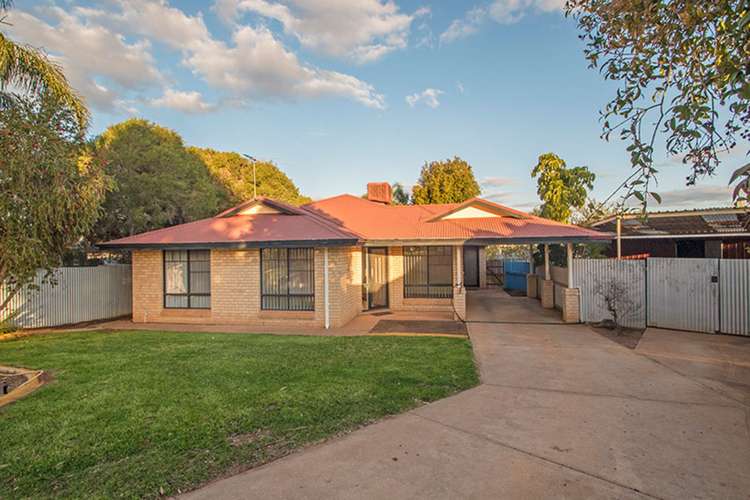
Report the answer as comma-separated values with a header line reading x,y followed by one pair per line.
x,y
618,301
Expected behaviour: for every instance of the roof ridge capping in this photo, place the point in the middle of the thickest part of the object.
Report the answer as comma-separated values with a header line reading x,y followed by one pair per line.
x,y
490,207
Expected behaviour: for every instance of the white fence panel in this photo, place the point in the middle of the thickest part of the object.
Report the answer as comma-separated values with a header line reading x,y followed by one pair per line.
x,y
683,294
80,294
734,281
597,278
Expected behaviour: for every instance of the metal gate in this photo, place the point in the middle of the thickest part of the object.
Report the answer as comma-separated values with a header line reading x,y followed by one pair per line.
x,y
515,274
683,294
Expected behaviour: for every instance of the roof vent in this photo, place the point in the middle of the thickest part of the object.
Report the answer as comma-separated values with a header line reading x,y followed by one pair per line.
x,y
379,192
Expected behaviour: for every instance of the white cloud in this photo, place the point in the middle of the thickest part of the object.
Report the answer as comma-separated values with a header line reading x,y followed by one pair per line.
x,y
512,11
517,200
494,182
361,30
696,196
252,65
429,96
468,25
185,101
460,87
426,38
99,63
257,64
500,11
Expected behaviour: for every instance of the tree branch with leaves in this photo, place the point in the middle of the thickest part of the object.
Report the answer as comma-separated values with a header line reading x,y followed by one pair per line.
x,y
684,72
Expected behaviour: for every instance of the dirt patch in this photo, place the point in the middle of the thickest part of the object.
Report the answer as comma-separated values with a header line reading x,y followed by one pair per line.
x,y
626,337
386,326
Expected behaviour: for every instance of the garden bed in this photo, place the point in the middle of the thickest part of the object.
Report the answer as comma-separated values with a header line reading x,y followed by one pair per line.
x,y
17,382
626,337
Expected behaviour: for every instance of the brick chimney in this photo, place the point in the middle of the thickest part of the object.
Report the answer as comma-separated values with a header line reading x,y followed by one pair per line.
x,y
379,192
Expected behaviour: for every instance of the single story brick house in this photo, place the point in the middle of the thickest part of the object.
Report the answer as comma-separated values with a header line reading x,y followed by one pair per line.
x,y
266,263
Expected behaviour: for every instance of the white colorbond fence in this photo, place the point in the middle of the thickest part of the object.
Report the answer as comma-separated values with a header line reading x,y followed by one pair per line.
x,y
596,277
80,294
703,295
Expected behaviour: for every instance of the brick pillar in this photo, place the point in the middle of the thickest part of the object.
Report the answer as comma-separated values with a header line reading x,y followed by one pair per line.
x,y
531,285
548,294
459,303
571,306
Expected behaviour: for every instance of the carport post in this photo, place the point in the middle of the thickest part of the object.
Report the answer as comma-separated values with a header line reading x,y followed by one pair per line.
x,y
569,252
531,259
619,237
546,262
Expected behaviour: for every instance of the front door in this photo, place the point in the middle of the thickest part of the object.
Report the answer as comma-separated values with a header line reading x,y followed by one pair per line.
x,y
471,267
377,277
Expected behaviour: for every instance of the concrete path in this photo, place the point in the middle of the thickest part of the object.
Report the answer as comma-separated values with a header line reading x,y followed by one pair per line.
x,y
561,413
495,305
719,361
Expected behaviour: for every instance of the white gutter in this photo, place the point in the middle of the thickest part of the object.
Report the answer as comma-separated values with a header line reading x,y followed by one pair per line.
x,y
326,305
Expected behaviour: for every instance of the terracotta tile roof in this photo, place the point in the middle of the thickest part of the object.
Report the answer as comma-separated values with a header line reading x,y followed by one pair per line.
x,y
349,220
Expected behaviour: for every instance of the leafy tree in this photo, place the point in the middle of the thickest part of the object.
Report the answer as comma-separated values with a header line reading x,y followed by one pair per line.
x,y
235,174
560,188
449,181
400,195
30,70
158,182
51,187
684,73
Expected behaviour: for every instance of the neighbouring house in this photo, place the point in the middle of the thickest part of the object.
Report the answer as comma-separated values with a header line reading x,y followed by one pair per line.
x,y
698,233
266,263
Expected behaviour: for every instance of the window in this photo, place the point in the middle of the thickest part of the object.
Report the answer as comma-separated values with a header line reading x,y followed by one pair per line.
x,y
287,279
428,272
187,279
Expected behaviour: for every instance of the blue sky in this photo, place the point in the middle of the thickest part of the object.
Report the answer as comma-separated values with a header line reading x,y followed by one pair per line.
x,y
341,92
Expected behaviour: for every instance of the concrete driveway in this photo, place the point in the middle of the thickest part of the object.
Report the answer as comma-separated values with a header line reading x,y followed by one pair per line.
x,y
561,413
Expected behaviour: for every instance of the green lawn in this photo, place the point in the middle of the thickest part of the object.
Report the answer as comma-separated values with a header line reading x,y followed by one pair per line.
x,y
139,414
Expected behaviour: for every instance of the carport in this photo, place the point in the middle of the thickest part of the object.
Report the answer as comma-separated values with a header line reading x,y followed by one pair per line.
x,y
495,305
544,290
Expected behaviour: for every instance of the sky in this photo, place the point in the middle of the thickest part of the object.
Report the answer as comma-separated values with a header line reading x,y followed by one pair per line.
x,y
342,92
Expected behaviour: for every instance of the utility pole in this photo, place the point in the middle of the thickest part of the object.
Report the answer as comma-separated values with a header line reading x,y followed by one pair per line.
x,y
255,184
